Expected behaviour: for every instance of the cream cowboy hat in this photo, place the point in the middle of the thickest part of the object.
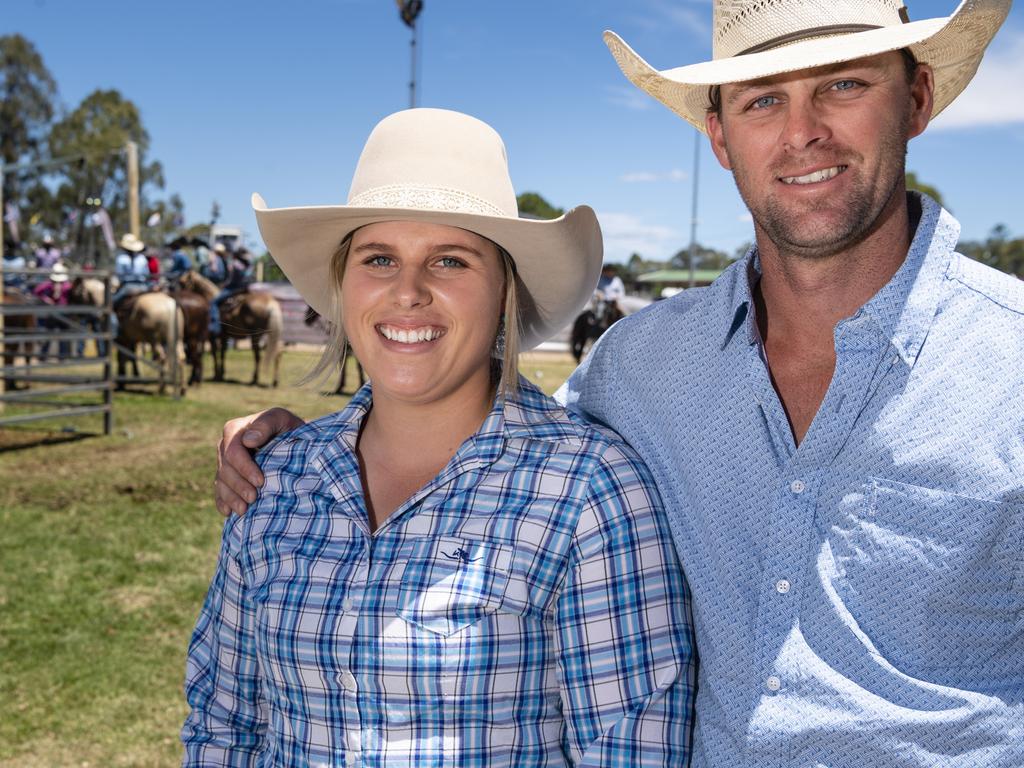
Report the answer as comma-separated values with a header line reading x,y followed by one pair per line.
x,y
443,167
59,274
759,38
131,243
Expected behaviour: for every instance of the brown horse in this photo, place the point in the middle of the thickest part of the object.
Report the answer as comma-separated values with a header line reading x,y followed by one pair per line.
x,y
152,318
197,330
13,326
313,318
248,315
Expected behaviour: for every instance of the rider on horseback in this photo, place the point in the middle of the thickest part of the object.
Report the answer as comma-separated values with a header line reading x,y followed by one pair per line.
x,y
131,268
239,278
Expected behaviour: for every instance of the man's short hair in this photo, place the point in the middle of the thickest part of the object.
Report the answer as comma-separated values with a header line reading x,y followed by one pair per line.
x,y
909,70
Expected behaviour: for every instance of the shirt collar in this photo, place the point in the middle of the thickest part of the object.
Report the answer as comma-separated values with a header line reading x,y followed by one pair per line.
x,y
528,415
903,309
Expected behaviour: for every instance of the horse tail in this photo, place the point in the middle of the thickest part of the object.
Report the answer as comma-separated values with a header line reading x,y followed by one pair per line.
x,y
275,330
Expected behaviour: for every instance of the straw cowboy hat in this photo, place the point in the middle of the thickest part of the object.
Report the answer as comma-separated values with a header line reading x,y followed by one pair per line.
x,y
759,38
443,167
131,243
59,274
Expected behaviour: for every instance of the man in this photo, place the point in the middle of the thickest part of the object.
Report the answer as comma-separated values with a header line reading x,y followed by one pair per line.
x,y
610,284
239,276
836,421
47,254
131,267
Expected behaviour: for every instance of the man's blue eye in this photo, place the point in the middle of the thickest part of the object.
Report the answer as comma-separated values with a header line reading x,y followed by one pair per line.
x,y
845,85
764,101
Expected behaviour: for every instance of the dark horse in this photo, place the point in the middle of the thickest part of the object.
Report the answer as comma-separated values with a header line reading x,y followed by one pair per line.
x,y
244,316
13,326
312,318
197,330
590,324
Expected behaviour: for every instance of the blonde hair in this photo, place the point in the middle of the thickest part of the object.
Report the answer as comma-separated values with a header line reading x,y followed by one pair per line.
x,y
504,372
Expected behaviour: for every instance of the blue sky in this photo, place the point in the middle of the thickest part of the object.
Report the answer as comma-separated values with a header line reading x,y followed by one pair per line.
x,y
278,97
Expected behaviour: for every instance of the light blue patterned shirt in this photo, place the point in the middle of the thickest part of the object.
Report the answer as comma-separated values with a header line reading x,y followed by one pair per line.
x,y
859,600
524,609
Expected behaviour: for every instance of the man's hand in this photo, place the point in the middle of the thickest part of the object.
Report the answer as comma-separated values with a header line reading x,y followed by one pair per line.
x,y
238,477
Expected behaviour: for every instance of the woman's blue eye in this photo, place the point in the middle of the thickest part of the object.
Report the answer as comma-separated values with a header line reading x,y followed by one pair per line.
x,y
379,261
450,262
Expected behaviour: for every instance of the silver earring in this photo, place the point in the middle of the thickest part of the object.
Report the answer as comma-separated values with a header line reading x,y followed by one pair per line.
x,y
499,341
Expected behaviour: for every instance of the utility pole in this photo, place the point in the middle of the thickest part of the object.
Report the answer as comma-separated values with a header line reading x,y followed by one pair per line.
x,y
693,213
132,153
409,11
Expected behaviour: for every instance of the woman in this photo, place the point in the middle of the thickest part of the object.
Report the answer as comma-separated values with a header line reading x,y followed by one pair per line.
x,y
452,571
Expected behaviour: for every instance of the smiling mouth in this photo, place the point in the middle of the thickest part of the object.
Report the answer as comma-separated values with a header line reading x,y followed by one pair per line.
x,y
410,335
815,177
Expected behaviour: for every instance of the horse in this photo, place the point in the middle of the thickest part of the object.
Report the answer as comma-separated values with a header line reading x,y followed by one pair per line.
x,y
196,311
90,292
13,326
152,318
590,324
247,315
313,318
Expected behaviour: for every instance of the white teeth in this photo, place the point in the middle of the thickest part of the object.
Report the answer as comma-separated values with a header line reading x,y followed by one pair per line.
x,y
812,178
405,336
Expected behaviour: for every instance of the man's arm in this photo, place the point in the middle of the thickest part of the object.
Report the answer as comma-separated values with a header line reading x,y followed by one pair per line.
x,y
238,477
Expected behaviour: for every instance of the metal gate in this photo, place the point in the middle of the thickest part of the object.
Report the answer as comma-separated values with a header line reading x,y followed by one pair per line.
x,y
45,372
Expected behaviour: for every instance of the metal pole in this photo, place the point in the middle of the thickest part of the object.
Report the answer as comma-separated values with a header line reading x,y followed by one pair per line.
x,y
108,358
132,150
693,213
412,67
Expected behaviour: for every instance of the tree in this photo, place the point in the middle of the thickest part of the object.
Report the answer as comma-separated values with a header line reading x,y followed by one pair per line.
x,y
916,185
27,93
998,250
99,128
533,205
704,258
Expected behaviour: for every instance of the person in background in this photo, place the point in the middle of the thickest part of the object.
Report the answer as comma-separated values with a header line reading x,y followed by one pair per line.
x,y
47,254
180,263
54,292
14,259
215,268
239,277
452,570
131,267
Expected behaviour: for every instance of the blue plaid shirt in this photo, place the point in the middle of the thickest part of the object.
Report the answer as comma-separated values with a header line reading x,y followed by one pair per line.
x,y
525,608
859,599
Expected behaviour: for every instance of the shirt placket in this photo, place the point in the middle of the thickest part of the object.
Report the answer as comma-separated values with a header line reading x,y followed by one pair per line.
x,y
788,538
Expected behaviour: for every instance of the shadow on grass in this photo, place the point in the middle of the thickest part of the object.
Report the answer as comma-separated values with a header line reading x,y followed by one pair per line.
x,y
19,439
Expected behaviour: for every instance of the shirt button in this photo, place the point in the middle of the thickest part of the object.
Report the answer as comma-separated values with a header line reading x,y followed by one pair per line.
x,y
773,683
782,586
347,605
347,680
797,486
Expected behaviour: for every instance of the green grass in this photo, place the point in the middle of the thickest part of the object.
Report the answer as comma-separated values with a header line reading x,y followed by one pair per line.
x,y
107,548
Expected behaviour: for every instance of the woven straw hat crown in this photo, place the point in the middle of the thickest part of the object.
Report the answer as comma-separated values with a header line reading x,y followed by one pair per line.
x,y
401,167
742,27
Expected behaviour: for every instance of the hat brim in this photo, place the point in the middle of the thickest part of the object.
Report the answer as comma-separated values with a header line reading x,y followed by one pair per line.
x,y
558,261
953,46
